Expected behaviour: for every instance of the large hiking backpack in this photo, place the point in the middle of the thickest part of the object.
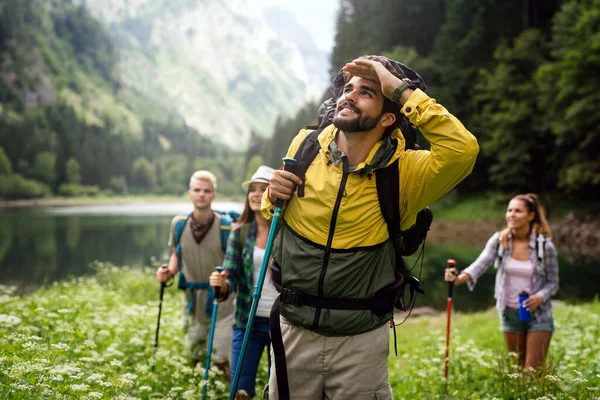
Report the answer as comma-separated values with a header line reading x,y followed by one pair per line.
x,y
406,242
227,218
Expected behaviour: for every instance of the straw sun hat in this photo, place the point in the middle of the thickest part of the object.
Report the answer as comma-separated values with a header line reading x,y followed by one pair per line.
x,y
263,175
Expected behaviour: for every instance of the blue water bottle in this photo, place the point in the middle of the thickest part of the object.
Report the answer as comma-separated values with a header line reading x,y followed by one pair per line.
x,y
524,315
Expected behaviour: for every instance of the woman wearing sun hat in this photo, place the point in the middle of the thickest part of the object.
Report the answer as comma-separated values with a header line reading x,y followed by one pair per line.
x,y
243,260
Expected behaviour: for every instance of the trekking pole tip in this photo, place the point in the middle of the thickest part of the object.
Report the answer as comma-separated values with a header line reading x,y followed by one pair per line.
x,y
452,262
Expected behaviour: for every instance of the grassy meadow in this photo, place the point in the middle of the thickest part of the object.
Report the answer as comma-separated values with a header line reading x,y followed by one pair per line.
x,y
93,338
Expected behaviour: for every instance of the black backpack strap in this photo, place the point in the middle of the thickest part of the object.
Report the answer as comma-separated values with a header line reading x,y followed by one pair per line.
x,y
306,153
381,303
388,192
283,387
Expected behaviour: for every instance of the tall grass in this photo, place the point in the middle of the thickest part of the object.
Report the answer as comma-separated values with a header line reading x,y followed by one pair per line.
x,y
93,338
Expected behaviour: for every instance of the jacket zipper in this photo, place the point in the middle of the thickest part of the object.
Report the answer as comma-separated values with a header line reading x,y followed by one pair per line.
x,y
336,208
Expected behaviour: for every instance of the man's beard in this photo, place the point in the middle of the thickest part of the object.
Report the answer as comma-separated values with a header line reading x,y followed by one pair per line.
x,y
361,124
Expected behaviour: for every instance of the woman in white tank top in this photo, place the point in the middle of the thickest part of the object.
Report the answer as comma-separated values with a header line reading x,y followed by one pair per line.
x,y
526,261
243,260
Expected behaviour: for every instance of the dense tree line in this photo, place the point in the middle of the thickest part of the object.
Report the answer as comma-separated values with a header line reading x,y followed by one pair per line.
x,y
520,74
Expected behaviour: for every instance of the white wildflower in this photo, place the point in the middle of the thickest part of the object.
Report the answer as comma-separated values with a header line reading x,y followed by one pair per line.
x,y
136,341
579,380
124,382
103,332
141,368
95,377
80,387
60,346
189,394
66,369
9,321
21,386
129,376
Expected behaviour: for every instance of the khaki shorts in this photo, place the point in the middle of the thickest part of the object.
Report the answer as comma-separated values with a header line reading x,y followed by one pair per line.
x,y
324,367
197,330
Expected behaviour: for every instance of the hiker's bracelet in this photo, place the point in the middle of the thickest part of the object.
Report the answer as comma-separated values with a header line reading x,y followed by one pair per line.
x,y
397,93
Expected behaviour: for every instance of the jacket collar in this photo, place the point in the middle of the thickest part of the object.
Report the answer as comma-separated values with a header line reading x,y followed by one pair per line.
x,y
382,154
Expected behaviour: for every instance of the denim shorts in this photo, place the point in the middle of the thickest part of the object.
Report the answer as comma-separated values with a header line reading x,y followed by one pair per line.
x,y
510,322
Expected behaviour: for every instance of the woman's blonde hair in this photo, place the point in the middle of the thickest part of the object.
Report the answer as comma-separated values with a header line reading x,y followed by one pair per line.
x,y
539,223
203,175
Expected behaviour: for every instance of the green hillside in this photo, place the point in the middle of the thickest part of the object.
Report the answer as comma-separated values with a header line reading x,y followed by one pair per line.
x,y
68,124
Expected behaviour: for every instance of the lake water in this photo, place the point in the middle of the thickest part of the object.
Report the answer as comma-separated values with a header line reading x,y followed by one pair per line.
x,y
40,245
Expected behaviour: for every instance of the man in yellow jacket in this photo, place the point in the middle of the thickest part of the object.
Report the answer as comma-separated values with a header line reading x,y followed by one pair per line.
x,y
334,242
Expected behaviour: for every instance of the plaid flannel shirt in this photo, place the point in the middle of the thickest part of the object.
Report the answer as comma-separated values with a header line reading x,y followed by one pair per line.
x,y
239,264
544,278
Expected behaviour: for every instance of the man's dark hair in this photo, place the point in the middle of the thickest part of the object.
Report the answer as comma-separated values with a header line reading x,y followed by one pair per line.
x,y
388,105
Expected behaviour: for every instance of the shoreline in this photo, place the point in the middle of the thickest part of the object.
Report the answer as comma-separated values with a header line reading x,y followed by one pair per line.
x,y
90,201
577,232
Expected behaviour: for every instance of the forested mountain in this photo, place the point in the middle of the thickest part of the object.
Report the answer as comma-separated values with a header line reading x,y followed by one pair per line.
x,y
121,96
520,74
106,95
224,65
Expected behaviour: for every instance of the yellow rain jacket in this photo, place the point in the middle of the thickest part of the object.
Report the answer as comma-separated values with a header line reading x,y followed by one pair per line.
x,y
334,241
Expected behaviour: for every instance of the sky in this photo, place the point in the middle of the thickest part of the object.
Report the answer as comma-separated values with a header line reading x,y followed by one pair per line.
x,y
318,16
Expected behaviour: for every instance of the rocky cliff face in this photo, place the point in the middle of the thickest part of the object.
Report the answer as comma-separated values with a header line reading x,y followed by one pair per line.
x,y
227,67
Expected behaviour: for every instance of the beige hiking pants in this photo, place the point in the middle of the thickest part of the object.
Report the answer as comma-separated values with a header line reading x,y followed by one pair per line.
x,y
334,368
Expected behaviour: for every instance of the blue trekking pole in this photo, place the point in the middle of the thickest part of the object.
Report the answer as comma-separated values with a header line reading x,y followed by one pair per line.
x,y
211,335
258,290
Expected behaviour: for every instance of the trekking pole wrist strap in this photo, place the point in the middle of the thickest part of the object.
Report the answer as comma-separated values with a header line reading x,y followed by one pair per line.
x,y
269,195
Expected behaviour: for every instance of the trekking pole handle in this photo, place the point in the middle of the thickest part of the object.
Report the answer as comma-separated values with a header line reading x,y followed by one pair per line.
x,y
217,289
164,266
451,264
287,161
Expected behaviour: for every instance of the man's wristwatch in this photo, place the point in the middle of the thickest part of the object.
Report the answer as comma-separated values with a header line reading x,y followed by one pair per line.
x,y
406,84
